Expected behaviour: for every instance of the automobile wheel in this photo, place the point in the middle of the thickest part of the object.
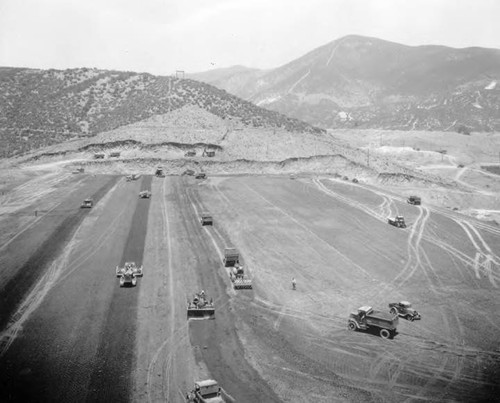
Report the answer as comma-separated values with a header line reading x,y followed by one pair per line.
x,y
351,326
384,333
394,311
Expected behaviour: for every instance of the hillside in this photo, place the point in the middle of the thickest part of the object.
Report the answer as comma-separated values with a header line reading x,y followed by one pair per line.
x,y
365,82
40,108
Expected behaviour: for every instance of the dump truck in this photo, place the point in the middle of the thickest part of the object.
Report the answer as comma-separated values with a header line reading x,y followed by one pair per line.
x,y
128,274
98,156
366,318
238,278
415,200
404,310
133,177
206,219
397,221
188,172
144,194
207,391
87,203
190,154
200,307
115,154
201,175
231,257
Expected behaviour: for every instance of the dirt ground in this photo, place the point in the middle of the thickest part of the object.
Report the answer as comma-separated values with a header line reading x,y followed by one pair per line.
x,y
70,333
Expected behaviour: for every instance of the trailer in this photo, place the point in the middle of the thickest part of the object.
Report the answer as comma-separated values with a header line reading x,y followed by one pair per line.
x,y
239,279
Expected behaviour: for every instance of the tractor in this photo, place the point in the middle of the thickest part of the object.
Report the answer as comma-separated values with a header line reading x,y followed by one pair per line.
x,y
128,274
200,307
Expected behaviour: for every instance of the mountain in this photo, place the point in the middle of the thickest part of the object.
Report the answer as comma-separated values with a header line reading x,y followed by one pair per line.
x,y
365,82
44,107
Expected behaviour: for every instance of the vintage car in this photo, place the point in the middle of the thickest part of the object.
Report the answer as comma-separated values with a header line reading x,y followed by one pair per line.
x,y
404,310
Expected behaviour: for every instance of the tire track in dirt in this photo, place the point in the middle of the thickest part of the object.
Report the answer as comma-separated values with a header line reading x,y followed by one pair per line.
x,y
111,376
19,285
54,276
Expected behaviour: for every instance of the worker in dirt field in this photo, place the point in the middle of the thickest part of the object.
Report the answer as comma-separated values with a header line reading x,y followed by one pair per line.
x,y
294,283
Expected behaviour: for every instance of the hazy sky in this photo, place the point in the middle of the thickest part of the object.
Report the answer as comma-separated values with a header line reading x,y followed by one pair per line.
x,y
161,36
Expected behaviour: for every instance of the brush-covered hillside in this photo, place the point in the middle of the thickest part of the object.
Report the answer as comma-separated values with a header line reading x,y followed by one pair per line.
x,y
45,107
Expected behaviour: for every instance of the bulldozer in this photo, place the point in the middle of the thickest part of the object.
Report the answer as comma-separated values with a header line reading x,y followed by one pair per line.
x,y
128,274
237,275
200,307
398,221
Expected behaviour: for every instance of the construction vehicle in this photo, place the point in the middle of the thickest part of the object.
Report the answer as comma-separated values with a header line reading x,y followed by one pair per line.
x,y
79,170
98,156
207,391
188,172
208,153
115,154
201,175
190,153
404,310
231,257
159,172
87,203
132,177
206,219
144,194
200,307
415,200
128,274
238,278
293,176
366,319
397,221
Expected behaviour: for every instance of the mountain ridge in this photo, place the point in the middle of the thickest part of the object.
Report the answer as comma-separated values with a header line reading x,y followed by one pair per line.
x,y
365,82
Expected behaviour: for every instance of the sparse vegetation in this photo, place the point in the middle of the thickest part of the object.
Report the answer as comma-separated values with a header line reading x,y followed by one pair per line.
x,y
41,108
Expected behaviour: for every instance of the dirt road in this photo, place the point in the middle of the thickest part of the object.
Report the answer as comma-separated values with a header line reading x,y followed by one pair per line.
x,y
75,335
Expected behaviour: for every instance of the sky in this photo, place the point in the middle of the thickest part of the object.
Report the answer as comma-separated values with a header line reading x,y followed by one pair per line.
x,y
162,36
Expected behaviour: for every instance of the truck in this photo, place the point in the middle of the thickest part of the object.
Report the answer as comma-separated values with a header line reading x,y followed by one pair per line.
x,y
114,154
87,203
238,278
201,175
397,221
415,200
207,391
384,323
231,257
98,156
206,219
190,153
144,194
404,310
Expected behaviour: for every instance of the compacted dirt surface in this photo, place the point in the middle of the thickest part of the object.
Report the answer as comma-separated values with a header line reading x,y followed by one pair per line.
x,y
68,332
